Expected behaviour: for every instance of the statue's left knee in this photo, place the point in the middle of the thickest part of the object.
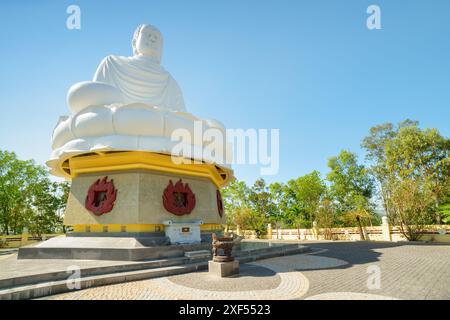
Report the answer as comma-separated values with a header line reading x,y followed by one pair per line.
x,y
89,93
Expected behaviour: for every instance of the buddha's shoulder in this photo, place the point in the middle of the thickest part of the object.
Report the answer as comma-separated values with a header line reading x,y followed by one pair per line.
x,y
113,58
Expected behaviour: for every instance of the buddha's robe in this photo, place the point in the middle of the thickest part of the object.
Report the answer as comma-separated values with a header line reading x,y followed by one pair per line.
x,y
141,79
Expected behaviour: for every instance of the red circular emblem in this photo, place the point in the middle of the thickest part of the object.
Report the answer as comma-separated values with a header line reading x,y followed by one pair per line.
x,y
219,203
178,199
101,196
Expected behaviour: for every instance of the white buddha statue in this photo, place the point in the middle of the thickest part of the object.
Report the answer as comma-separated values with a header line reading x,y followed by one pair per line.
x,y
136,79
132,104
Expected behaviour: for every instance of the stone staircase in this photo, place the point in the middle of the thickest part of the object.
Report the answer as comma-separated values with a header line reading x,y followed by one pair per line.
x,y
38,285
44,284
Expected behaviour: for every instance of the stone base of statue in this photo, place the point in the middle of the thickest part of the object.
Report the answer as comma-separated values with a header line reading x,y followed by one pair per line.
x,y
112,248
130,205
223,269
115,193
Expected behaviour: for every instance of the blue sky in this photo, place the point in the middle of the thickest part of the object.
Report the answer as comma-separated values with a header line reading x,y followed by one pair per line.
x,y
310,68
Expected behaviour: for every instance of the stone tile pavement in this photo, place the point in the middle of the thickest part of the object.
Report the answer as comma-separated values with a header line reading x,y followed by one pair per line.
x,y
407,271
332,270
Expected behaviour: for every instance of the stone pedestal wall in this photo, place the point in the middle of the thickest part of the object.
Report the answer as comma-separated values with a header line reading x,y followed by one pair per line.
x,y
139,202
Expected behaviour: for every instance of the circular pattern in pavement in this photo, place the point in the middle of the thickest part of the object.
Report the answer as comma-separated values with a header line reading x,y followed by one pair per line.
x,y
269,279
303,262
250,277
292,285
349,296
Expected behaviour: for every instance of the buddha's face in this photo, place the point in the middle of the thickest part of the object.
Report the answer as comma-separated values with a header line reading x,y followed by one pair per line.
x,y
149,43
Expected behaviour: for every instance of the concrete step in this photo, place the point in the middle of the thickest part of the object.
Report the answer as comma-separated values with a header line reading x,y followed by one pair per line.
x,y
4,252
244,257
270,252
201,254
104,248
61,286
91,271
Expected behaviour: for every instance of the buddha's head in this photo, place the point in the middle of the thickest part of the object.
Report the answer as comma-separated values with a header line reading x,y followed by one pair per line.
x,y
148,41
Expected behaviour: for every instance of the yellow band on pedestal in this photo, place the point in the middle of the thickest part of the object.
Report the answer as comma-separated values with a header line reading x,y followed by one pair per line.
x,y
134,228
132,160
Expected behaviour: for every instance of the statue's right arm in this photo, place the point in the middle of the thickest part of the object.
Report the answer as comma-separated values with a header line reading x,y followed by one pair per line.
x,y
100,73
97,92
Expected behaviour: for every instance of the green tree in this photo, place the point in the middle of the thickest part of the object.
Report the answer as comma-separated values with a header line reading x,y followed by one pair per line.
x,y
411,202
256,221
28,199
405,152
326,217
281,201
235,198
444,210
248,208
421,155
49,199
352,187
309,190
263,205
261,199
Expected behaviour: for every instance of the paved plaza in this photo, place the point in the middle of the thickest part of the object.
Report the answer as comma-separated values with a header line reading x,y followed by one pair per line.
x,y
331,270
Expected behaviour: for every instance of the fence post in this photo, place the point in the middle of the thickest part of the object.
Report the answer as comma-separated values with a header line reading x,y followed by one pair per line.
x,y
238,230
386,229
366,234
315,231
2,242
24,239
269,231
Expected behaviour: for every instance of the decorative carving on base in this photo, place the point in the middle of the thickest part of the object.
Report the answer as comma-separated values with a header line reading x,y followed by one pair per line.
x,y
178,199
219,203
101,196
225,244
